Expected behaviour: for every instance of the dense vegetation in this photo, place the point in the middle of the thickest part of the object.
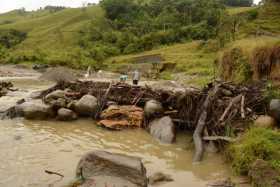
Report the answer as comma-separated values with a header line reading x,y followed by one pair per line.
x,y
239,3
257,143
134,27
91,34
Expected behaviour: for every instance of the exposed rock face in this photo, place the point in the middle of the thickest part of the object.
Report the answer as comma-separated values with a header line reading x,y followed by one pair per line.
x,y
262,174
64,114
265,122
34,109
159,177
163,129
120,169
153,108
120,117
86,106
274,109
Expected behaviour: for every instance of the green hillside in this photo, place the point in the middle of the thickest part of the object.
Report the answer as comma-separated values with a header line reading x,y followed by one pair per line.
x,y
55,30
78,37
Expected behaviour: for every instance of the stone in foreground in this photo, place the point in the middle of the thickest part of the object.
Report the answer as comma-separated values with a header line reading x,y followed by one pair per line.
x,y
86,106
64,114
120,117
35,109
163,129
100,167
159,178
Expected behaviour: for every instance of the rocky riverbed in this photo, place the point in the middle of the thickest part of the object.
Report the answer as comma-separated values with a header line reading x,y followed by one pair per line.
x,y
31,147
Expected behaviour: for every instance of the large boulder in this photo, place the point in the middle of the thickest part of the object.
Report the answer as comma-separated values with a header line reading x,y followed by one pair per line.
x,y
159,178
152,108
265,122
86,106
55,95
263,174
274,109
163,129
57,99
34,109
114,169
120,117
64,114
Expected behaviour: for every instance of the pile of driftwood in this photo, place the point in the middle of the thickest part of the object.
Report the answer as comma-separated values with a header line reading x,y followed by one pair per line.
x,y
5,87
215,113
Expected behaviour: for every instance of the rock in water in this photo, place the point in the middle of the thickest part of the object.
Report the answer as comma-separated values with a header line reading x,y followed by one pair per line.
x,y
34,109
120,117
86,106
54,96
274,109
152,108
159,177
163,129
64,114
263,174
116,168
265,122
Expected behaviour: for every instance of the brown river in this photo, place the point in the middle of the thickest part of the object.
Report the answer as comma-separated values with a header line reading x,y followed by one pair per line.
x,y
28,148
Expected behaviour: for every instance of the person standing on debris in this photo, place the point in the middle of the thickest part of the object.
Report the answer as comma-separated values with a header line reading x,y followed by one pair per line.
x,y
135,77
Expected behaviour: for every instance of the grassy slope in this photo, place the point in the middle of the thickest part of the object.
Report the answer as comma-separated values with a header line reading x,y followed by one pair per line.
x,y
50,31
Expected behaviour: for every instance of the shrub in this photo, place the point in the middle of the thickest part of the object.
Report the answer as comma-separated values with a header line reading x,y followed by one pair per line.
x,y
10,38
257,143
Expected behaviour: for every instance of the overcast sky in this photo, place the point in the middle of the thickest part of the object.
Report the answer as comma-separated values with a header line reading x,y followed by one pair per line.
x,y
7,5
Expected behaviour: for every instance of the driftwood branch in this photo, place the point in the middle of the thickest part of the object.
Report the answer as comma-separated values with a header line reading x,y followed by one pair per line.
x,y
242,107
53,173
216,138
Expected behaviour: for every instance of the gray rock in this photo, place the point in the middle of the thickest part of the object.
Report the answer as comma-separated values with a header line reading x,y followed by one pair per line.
x,y
274,109
121,169
64,114
152,108
86,106
34,109
163,129
159,177
55,95
265,122
56,99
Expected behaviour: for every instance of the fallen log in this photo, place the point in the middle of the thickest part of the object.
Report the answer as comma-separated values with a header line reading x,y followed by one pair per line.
x,y
198,143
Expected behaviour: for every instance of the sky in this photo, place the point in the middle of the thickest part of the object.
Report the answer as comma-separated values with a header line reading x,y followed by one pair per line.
x,y
7,5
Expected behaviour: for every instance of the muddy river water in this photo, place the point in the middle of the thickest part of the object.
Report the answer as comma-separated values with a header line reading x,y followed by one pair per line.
x,y
27,148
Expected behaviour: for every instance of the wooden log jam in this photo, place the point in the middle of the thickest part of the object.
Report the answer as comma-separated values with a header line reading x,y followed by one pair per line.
x,y
218,106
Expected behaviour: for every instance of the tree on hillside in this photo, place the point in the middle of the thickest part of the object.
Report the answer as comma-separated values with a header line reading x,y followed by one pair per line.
x,y
241,3
10,38
120,9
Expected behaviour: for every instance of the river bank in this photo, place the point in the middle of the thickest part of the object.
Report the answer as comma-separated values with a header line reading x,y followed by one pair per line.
x,y
57,146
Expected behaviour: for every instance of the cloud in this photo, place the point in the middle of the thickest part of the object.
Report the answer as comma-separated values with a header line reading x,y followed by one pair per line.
x,y
7,5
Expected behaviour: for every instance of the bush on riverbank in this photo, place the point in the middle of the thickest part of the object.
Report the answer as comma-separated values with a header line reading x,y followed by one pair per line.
x,y
257,143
